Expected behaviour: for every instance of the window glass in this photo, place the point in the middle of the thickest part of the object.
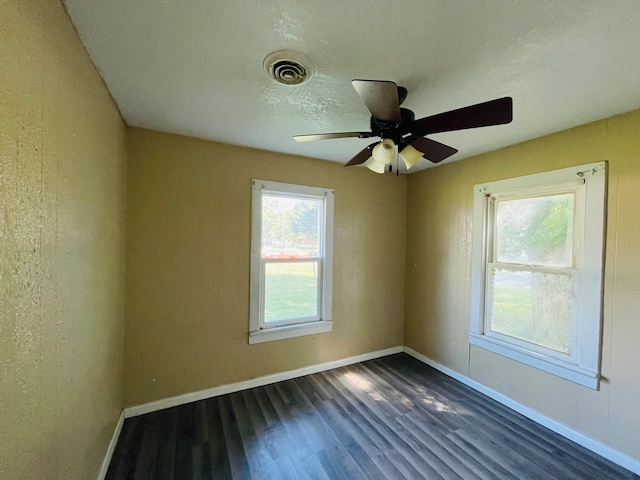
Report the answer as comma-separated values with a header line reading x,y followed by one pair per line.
x,y
291,290
290,227
532,306
536,230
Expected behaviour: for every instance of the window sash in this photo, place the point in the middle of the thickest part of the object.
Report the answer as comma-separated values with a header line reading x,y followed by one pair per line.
x,y
493,201
497,201
322,217
490,242
290,320
573,274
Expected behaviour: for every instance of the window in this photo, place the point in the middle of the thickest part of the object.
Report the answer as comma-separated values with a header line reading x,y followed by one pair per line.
x,y
537,262
291,261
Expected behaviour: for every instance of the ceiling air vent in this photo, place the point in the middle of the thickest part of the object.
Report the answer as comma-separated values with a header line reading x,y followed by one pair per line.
x,y
288,68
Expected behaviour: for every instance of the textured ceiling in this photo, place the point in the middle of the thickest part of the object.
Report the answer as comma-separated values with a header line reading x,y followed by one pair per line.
x,y
194,67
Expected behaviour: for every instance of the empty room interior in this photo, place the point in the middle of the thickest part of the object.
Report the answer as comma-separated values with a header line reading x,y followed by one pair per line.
x,y
193,285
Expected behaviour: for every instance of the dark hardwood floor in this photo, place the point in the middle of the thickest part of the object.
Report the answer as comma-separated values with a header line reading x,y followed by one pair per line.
x,y
390,418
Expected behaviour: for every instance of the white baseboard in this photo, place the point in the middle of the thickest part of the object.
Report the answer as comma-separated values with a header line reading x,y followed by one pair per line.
x,y
112,445
572,434
255,382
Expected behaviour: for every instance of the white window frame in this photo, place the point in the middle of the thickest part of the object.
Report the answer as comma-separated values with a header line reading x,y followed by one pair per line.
x,y
259,330
582,364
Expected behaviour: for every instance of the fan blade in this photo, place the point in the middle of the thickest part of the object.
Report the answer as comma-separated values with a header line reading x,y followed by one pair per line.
x,y
361,157
433,151
380,97
327,136
494,112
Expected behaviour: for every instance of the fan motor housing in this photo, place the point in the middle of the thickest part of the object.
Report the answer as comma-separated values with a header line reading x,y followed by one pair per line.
x,y
390,129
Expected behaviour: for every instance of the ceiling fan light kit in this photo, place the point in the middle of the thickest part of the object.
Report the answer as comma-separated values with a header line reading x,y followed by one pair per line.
x,y
384,152
397,126
410,156
377,167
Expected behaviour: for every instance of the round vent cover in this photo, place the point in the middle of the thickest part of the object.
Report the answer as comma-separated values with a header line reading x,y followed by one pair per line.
x,y
288,67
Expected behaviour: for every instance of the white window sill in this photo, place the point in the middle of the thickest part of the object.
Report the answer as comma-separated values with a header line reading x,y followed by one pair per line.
x,y
545,363
289,331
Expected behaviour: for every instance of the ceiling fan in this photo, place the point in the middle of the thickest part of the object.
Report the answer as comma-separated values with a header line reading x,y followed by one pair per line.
x,y
397,126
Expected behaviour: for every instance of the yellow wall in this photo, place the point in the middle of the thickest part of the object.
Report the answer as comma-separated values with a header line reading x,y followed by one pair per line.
x,y
62,174
62,280
439,230
188,248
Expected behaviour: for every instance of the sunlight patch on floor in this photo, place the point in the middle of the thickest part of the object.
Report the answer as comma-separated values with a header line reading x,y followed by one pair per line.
x,y
357,381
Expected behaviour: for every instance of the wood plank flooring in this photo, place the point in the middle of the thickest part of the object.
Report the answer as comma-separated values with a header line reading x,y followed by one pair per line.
x,y
390,418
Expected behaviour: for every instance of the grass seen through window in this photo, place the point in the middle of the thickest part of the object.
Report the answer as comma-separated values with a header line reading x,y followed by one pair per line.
x,y
290,290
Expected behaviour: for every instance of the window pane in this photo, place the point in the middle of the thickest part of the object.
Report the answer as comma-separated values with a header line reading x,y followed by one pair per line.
x,y
536,231
532,306
291,290
290,227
